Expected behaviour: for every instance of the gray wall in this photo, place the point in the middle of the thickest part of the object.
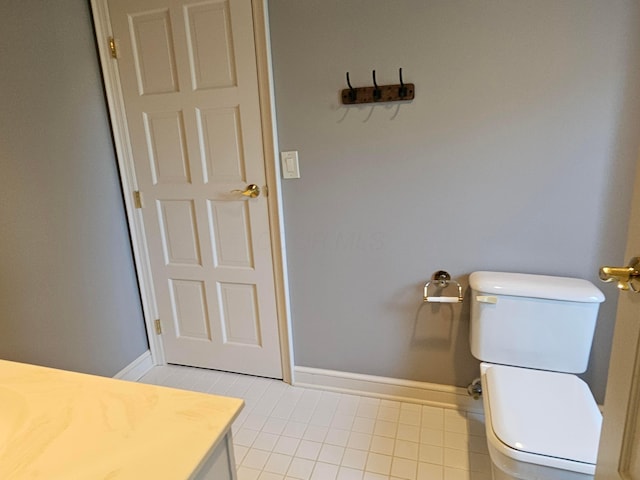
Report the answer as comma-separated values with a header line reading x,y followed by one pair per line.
x,y
516,155
68,293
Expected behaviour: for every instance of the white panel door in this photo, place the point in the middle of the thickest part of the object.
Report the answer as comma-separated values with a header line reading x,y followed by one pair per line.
x,y
188,76
619,455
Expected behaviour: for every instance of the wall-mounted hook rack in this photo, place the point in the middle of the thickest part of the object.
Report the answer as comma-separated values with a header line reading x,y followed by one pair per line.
x,y
378,93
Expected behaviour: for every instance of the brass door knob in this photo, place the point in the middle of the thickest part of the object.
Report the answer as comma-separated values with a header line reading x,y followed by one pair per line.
x,y
625,276
252,191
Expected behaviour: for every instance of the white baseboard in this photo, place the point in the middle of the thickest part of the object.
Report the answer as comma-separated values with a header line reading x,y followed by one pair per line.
x,y
388,388
136,369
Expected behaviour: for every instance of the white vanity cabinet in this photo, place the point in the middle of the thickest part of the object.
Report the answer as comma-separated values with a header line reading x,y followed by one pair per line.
x,y
220,465
59,425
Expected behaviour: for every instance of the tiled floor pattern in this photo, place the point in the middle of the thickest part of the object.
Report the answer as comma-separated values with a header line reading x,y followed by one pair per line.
x,y
287,433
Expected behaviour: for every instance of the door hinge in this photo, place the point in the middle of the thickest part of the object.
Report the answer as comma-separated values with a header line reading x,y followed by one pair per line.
x,y
137,199
158,326
113,48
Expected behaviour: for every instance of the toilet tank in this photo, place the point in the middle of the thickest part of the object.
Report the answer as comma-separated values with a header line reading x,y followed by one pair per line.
x,y
533,321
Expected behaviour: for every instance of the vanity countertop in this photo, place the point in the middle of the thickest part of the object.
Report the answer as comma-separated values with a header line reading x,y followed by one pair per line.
x,y
56,424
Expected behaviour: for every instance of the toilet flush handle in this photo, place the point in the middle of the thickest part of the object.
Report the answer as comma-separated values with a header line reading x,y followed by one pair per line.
x,y
625,276
487,299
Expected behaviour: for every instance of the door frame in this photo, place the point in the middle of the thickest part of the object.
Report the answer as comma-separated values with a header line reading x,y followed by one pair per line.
x,y
115,101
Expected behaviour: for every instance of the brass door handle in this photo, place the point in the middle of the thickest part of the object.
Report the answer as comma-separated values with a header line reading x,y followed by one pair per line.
x,y
252,191
625,276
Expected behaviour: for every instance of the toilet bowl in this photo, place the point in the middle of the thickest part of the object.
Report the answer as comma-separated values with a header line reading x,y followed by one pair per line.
x,y
532,334
539,425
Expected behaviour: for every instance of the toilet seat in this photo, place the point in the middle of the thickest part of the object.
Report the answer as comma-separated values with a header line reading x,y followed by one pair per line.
x,y
540,417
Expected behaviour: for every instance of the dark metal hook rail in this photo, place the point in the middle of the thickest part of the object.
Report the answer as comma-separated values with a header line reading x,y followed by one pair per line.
x,y
378,93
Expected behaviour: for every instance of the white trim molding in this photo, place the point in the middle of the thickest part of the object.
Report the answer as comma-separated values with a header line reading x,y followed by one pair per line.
x,y
119,127
272,171
136,369
387,388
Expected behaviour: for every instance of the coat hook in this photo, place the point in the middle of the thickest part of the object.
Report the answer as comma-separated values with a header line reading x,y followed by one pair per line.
x,y
352,91
377,93
402,91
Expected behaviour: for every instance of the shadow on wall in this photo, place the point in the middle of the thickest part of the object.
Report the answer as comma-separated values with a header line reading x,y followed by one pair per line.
x,y
442,330
433,328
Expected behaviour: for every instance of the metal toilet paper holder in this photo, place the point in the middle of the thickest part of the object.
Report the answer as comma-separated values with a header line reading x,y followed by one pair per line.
x,y
442,280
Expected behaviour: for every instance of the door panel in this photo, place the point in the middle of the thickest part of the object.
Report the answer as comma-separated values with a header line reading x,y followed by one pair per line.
x,y
221,145
188,75
231,235
240,314
152,49
179,232
210,45
190,312
165,136
620,439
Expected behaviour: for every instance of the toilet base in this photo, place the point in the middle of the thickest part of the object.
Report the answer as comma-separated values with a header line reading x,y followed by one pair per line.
x,y
528,471
505,467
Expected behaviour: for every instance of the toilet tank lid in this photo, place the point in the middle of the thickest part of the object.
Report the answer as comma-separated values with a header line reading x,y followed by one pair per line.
x,y
536,286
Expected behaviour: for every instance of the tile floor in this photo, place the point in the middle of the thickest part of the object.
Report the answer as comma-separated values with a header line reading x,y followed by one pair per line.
x,y
287,433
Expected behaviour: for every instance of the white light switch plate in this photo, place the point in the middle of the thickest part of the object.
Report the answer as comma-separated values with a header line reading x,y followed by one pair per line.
x,y
290,167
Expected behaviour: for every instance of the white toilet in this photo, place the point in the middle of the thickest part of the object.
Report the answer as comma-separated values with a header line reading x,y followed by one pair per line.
x,y
532,334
